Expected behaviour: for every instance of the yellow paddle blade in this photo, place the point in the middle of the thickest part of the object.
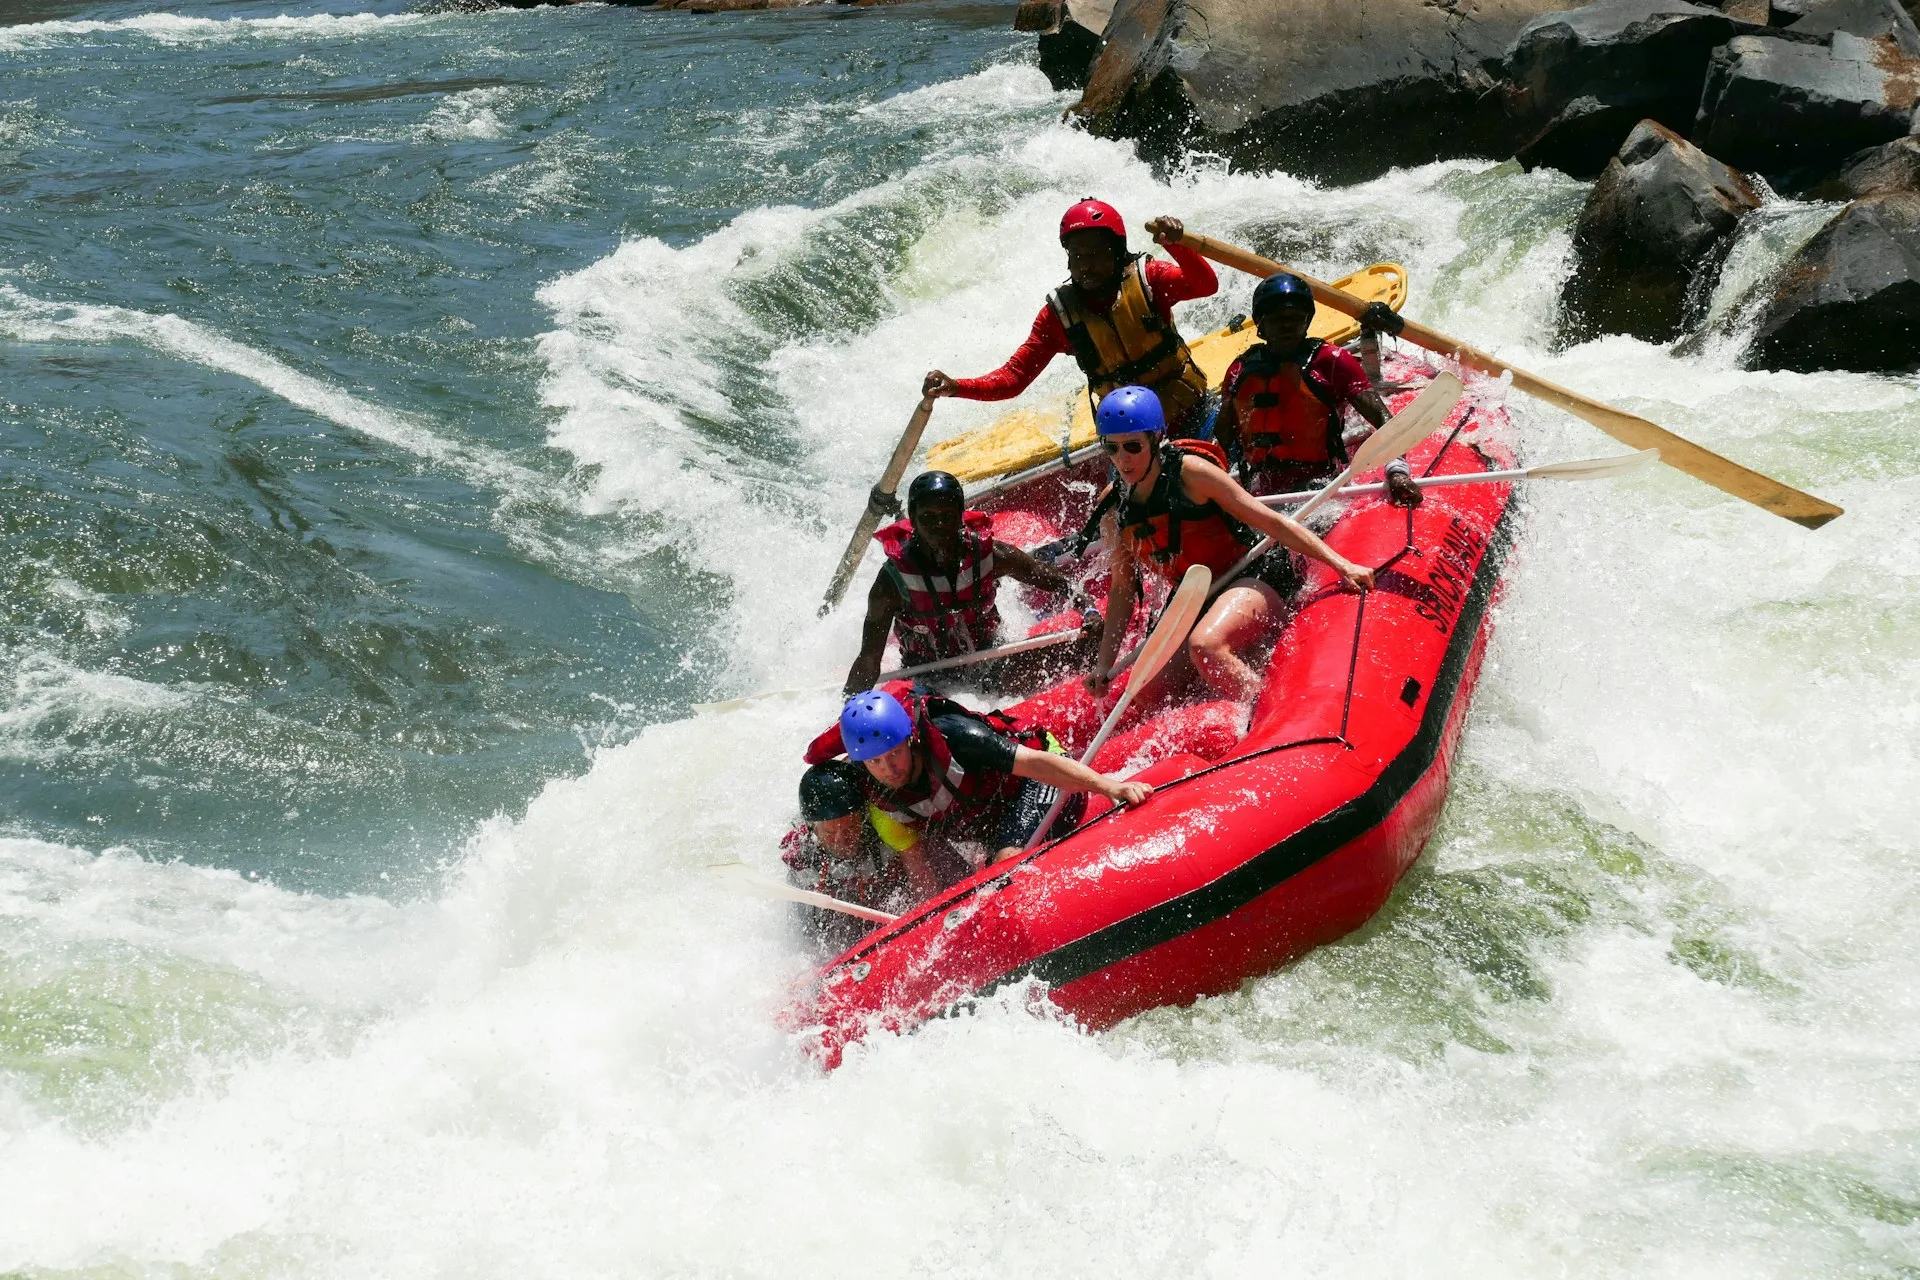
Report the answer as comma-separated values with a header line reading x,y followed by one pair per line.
x,y
1028,437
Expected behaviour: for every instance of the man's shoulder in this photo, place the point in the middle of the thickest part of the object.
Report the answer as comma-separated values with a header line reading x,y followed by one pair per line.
x,y
1334,358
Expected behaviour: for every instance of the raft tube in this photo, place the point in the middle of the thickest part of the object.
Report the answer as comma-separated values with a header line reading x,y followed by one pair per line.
x,y
1254,848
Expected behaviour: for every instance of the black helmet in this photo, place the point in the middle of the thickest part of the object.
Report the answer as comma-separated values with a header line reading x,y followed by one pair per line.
x,y
1282,290
831,790
935,484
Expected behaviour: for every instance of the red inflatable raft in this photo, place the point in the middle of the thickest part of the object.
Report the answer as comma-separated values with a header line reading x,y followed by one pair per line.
x,y
1255,847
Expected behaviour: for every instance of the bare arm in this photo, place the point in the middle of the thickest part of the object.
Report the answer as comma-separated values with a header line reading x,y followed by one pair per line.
x,y
1120,596
1370,406
1205,482
1069,774
1022,567
883,603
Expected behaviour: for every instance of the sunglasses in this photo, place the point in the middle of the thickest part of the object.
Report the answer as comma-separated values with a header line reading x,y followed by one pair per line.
x,y
1114,446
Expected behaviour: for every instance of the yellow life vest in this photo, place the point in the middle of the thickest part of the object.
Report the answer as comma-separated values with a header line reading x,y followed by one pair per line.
x,y
1130,345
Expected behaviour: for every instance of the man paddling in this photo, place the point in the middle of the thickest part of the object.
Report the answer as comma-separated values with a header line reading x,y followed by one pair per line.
x,y
1281,403
1114,315
937,592
1177,508
957,787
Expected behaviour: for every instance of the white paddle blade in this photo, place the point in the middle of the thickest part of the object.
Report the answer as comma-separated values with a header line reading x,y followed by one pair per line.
x,y
1594,468
1176,620
1426,415
747,880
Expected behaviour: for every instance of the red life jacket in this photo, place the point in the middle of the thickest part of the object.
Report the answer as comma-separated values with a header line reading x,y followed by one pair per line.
x,y
1170,531
1284,412
944,792
943,617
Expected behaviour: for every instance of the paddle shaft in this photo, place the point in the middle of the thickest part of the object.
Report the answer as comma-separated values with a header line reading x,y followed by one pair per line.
x,y
879,500
1676,451
1181,613
752,881
1440,482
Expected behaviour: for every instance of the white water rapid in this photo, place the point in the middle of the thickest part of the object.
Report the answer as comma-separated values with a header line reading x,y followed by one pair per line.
x,y
1649,1007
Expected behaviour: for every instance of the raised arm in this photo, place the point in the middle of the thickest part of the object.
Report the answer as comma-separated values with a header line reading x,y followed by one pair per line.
x,y
1205,482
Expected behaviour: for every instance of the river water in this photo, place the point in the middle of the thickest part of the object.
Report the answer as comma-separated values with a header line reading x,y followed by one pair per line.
x,y
408,418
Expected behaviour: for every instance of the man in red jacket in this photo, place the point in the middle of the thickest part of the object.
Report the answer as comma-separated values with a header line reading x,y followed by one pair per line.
x,y
1114,315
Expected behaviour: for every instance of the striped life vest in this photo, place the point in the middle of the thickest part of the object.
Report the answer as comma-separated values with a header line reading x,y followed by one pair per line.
x,y
1130,345
1286,416
942,617
1170,531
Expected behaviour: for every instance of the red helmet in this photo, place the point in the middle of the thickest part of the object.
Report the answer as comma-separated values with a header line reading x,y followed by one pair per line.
x,y
1092,215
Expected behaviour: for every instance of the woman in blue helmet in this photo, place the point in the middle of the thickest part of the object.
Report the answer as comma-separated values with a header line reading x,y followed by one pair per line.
x,y
1177,508
948,788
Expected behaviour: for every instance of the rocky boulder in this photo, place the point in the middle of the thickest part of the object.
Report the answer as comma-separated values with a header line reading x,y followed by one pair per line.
x,y
1794,111
1649,244
1868,19
1580,80
1325,88
1887,169
1850,299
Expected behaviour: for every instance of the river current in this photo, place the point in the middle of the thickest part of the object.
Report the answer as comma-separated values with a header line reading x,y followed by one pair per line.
x,y
406,419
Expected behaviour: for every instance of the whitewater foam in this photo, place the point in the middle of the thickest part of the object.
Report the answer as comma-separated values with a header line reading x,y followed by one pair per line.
x,y
184,29
1646,1009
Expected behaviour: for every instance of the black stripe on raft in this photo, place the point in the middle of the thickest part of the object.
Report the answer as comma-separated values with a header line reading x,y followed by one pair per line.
x,y
1266,871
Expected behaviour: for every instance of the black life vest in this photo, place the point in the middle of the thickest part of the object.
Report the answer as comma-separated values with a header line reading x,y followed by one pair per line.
x,y
945,792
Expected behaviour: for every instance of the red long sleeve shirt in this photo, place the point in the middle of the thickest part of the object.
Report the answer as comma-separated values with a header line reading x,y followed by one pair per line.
x,y
1187,277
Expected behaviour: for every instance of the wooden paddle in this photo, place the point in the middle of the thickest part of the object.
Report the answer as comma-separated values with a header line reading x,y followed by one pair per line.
x,y
1676,451
1401,432
879,504
747,880
1577,469
1175,621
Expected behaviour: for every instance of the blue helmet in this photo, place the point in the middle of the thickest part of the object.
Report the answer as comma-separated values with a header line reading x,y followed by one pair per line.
x,y
1281,290
1125,410
872,724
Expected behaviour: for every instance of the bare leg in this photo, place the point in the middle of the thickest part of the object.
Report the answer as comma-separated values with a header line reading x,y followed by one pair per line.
x,y
1244,612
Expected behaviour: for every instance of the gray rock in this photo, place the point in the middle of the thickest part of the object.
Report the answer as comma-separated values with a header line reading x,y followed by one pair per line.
x,y
1850,299
1330,89
1793,110
1067,53
1580,80
1883,170
1649,244
1864,18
